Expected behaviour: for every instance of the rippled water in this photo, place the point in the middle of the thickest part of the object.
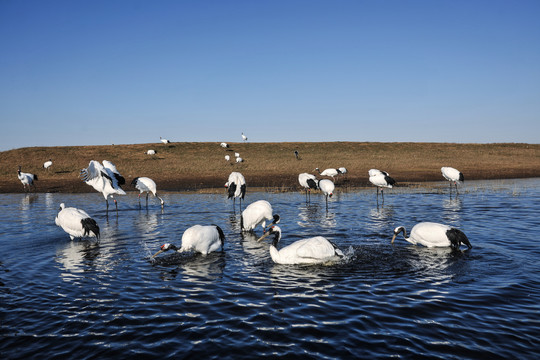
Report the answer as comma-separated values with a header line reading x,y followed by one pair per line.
x,y
82,299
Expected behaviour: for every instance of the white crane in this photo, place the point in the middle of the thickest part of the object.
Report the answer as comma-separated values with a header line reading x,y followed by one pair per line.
x,y
342,170
381,179
236,186
200,238
27,179
145,184
104,178
308,182
224,145
165,141
244,137
434,235
327,187
76,222
227,157
452,175
47,164
237,155
258,213
239,160
151,152
315,250
328,172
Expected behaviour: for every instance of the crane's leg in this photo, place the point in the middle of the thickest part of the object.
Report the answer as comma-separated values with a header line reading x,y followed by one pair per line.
x,y
382,195
116,205
139,200
456,188
146,199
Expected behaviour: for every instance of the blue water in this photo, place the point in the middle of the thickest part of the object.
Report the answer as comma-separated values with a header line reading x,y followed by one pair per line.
x,y
86,300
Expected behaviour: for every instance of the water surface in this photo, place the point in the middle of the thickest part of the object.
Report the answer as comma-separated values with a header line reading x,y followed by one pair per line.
x,y
83,299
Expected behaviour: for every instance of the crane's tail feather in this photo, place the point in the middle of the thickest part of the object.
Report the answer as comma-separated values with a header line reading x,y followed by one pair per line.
x,y
90,225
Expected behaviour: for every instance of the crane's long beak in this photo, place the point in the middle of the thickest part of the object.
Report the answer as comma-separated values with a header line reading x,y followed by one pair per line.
x,y
156,254
393,238
266,233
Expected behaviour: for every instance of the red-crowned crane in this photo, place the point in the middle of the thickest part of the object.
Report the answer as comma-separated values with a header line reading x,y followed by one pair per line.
x,y
327,187
145,184
104,178
434,235
244,137
76,222
258,213
27,179
165,141
452,175
381,179
328,172
236,186
308,182
200,238
47,164
315,250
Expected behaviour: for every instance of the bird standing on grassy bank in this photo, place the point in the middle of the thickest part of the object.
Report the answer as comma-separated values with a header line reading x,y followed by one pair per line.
x,y
145,184
328,172
27,179
244,137
47,164
203,239
165,141
452,175
76,222
434,235
104,178
315,250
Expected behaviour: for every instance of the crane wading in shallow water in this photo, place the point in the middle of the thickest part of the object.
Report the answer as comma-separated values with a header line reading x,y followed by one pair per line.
x,y
258,213
236,187
199,238
434,235
76,222
315,250
452,175
145,184
104,178
381,179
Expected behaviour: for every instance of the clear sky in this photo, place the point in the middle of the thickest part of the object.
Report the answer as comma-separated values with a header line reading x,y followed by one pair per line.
x,y
111,71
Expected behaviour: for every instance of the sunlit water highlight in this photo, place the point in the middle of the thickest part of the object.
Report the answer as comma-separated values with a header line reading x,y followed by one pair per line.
x,y
82,299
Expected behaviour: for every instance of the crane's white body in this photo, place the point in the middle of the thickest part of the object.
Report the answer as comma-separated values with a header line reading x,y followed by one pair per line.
x,y
47,164
257,213
244,137
165,141
238,180
151,152
237,155
239,160
103,178
342,170
224,145
71,219
303,180
200,238
380,180
227,157
27,179
429,234
327,187
315,250
328,172
147,185
451,174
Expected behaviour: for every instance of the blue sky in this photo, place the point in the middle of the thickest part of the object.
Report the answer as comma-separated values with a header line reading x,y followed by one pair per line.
x,y
124,72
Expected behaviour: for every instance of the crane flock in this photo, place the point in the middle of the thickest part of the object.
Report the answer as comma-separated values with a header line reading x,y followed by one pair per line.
x,y
105,178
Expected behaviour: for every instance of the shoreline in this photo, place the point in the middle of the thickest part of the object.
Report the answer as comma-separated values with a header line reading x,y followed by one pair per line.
x,y
201,167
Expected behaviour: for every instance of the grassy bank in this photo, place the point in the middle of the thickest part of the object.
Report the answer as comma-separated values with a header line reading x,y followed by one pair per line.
x,y
193,166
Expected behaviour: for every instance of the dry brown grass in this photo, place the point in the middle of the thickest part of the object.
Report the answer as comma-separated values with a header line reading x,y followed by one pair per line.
x,y
196,166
